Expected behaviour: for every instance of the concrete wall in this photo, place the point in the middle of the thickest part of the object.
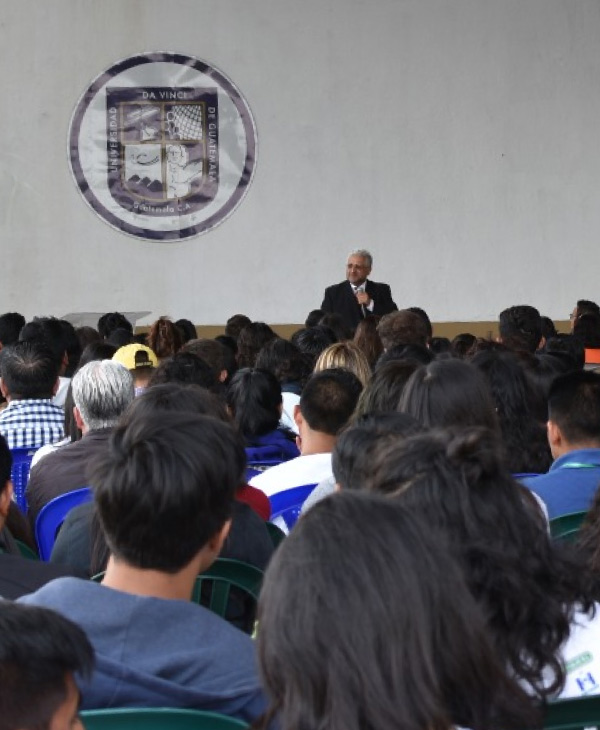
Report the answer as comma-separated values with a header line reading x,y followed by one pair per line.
x,y
457,139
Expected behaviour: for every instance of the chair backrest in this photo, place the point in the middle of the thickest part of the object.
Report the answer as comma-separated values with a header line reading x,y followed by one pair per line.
x,y
53,515
566,527
573,714
275,533
21,463
525,474
223,575
159,718
287,504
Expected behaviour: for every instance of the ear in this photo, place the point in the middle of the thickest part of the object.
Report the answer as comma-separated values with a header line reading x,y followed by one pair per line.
x,y
222,376
555,437
3,389
215,544
78,418
298,419
542,343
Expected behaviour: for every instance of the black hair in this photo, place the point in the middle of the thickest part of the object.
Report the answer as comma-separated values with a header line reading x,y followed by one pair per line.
x,y
312,341
524,437
440,346
11,323
520,327
425,317
329,399
367,339
383,392
49,331
29,370
336,324
86,336
72,347
120,337
403,327
462,343
587,329
528,586
111,321
229,343
568,348
548,328
99,350
354,450
214,353
585,306
254,399
449,393
185,367
236,324
5,463
574,405
166,487
187,329
286,362
313,317
415,353
385,633
250,341
39,649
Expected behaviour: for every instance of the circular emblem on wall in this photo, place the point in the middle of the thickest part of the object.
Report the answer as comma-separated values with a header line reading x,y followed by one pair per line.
x,y
162,146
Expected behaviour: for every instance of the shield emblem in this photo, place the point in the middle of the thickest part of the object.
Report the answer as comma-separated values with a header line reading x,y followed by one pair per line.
x,y
162,148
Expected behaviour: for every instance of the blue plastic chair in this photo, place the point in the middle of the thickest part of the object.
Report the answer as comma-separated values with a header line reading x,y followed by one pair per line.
x,y
53,515
21,463
259,458
287,504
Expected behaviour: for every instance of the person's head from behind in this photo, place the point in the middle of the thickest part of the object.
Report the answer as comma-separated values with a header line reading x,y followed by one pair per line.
x,y
328,401
186,368
254,400
383,392
520,328
235,324
336,324
101,390
425,317
587,330
215,354
402,328
461,344
348,356
367,339
176,398
574,412
29,371
50,332
187,329
569,348
40,652
311,341
286,362
356,447
583,306
382,620
165,489
11,324
164,338
449,393
457,481
250,342
313,317
112,321
140,361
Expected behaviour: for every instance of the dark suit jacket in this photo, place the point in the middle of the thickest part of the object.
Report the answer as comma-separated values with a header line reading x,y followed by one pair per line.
x,y
340,299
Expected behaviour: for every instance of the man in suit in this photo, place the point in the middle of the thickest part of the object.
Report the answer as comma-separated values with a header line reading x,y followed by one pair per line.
x,y
357,297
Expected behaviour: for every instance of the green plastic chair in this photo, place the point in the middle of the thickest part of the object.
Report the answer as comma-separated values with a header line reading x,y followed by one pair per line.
x,y
566,527
223,575
26,551
574,714
275,533
159,718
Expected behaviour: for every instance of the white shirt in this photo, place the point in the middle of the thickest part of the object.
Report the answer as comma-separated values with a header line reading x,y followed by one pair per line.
x,y
309,469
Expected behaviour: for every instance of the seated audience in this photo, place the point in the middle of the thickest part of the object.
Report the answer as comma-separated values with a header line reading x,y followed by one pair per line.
x,y
348,356
367,339
326,405
311,341
574,438
520,328
235,324
254,401
215,354
41,655
187,329
187,369
583,306
250,341
112,321
164,339
536,598
11,323
382,394
141,363
461,344
366,621
29,382
164,493
53,334
18,575
102,390
403,327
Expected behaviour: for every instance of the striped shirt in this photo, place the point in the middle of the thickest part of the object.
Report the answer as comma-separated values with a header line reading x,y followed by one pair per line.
x,y
29,424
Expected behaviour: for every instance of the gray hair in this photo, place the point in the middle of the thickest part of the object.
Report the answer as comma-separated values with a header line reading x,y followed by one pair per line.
x,y
102,390
363,253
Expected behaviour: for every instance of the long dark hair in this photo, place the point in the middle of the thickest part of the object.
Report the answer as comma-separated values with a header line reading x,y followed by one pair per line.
x,y
366,622
528,585
254,400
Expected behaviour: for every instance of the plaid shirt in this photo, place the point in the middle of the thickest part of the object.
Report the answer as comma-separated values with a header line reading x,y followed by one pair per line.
x,y
29,424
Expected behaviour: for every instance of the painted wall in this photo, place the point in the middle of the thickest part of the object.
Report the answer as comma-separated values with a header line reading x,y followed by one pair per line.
x,y
457,139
